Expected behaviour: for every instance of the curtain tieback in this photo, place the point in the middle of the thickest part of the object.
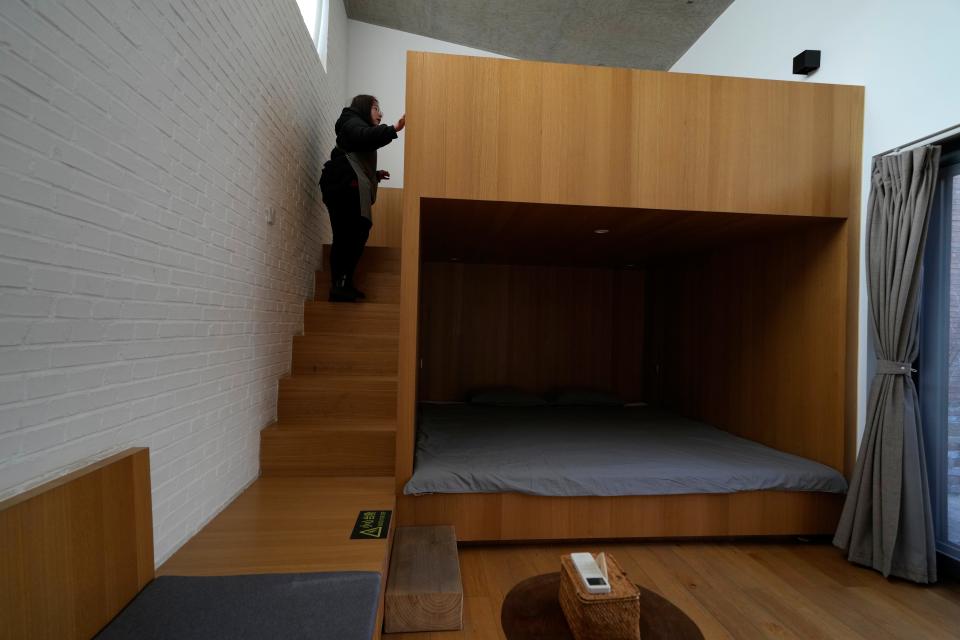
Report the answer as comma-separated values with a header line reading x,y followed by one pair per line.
x,y
894,368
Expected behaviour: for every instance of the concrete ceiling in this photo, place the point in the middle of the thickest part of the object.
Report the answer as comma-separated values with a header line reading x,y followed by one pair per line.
x,y
642,34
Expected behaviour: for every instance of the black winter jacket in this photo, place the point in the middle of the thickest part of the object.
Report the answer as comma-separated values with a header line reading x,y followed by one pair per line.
x,y
354,133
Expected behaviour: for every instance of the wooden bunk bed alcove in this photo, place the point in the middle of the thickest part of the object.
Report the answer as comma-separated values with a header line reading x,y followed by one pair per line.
x,y
737,202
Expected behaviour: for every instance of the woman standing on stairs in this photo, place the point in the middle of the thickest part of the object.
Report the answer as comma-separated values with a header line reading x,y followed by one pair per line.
x,y
349,187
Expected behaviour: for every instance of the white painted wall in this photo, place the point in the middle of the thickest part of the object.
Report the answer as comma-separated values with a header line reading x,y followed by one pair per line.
x,y
377,65
145,299
904,53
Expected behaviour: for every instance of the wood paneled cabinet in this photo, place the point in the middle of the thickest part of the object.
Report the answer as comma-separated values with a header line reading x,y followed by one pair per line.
x,y
698,236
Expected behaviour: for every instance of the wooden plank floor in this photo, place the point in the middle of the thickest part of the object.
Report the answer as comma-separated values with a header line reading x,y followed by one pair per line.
x,y
753,590
283,525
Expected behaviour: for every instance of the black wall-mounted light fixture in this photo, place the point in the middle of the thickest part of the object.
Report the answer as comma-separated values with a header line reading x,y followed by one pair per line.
x,y
806,62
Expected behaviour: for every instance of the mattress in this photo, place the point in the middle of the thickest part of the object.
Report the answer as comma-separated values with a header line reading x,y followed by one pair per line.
x,y
318,606
596,451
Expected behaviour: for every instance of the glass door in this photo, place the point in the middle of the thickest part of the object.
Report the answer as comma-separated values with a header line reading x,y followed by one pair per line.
x,y
939,366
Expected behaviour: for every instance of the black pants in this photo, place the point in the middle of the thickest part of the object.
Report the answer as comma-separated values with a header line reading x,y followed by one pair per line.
x,y
350,231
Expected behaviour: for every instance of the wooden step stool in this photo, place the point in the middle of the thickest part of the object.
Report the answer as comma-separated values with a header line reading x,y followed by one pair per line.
x,y
424,591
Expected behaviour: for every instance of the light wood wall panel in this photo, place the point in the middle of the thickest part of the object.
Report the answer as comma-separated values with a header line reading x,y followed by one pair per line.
x,y
387,215
532,327
753,339
75,551
491,129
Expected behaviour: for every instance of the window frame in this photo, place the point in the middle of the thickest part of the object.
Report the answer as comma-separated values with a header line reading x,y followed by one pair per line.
x,y
320,31
933,364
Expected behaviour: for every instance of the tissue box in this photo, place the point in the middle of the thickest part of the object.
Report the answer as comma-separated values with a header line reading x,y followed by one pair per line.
x,y
600,616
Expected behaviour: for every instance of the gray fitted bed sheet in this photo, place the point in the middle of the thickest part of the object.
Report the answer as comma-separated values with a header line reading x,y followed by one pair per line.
x,y
596,451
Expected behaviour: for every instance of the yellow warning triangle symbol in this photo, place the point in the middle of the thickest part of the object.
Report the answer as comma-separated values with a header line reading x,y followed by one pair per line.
x,y
373,533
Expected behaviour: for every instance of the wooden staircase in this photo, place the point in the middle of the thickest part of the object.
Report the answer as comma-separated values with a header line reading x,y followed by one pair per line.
x,y
337,409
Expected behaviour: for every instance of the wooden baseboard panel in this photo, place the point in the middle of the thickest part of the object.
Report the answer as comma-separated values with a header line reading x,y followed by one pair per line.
x,y
513,516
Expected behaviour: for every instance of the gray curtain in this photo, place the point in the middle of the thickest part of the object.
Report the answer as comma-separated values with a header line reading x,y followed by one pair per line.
x,y
886,521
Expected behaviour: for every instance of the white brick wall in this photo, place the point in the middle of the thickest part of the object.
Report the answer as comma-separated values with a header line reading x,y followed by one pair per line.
x,y
144,298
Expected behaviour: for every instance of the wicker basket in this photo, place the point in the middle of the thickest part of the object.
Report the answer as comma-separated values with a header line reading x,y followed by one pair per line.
x,y
600,616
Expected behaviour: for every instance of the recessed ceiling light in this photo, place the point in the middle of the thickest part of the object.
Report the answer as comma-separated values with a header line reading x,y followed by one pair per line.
x,y
601,231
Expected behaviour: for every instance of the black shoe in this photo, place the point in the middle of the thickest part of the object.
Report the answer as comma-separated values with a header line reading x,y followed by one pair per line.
x,y
356,292
340,292
359,295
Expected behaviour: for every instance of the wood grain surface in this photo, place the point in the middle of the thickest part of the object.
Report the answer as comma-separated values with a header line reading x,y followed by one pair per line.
x,y
517,516
762,590
76,550
753,340
532,327
424,592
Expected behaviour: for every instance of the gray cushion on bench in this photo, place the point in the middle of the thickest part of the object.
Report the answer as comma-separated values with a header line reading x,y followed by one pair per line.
x,y
319,606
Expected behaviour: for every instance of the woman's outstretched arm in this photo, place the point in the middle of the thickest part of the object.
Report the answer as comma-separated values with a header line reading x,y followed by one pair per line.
x,y
355,135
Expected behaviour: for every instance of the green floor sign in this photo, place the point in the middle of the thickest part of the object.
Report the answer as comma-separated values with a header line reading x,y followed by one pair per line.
x,y
372,525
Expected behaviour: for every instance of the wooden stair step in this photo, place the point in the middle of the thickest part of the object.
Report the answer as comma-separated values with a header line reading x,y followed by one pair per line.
x,y
355,423
286,525
374,259
345,354
424,589
328,450
340,318
378,287
337,395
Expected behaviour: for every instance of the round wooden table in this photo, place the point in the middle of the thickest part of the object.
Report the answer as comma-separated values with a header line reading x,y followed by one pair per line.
x,y
531,611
